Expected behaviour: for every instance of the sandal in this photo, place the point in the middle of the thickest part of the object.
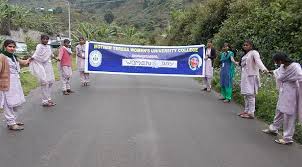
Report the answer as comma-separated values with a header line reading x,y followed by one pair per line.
x,y
47,105
20,123
51,102
283,142
15,127
247,116
242,113
65,93
270,132
17,123
70,91
227,101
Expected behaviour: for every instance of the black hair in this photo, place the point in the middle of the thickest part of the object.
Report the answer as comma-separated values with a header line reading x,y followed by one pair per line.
x,y
81,38
250,42
280,56
7,42
227,44
43,36
66,41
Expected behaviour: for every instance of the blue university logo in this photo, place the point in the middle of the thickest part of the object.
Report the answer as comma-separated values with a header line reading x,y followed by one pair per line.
x,y
95,58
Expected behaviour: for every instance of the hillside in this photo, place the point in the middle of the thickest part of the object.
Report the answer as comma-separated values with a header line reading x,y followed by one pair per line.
x,y
143,14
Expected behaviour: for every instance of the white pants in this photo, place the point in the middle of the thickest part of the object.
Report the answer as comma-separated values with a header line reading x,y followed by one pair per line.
x,y
208,82
288,122
10,113
84,77
66,73
46,92
65,84
249,104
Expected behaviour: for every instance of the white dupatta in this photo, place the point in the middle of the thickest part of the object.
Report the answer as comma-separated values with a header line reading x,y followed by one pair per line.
x,y
293,73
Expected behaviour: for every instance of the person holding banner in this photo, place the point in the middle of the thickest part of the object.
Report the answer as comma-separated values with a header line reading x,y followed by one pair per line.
x,y
80,52
289,83
65,66
209,60
250,80
11,92
227,73
41,67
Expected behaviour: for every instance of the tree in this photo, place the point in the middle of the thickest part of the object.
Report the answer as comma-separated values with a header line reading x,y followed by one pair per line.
x,y
109,17
11,17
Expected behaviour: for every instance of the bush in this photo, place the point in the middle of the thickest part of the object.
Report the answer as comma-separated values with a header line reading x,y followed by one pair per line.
x,y
273,25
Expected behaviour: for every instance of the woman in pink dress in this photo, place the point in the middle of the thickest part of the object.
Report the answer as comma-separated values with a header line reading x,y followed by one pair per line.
x,y
65,67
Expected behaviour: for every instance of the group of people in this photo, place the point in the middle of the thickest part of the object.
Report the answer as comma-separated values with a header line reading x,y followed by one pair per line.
x,y
288,78
40,65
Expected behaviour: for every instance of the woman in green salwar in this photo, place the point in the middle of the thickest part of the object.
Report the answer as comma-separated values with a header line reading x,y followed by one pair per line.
x,y
227,73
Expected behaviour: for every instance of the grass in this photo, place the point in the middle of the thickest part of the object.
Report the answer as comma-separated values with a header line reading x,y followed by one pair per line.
x,y
266,99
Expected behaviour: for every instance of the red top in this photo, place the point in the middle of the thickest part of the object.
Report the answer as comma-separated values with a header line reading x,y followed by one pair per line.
x,y
65,57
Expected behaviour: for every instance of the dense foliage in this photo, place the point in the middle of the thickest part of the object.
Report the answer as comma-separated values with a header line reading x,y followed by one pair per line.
x,y
14,17
273,25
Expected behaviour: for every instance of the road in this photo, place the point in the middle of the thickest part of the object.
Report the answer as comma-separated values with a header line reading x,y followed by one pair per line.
x,y
139,121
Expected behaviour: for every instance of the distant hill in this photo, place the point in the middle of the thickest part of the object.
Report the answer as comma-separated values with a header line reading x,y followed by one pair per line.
x,y
143,14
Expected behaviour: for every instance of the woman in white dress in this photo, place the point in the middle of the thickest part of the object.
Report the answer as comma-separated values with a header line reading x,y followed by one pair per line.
x,y
251,64
289,78
11,92
80,52
42,58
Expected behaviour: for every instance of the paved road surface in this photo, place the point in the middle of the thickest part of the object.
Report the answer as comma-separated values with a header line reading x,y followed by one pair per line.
x,y
137,121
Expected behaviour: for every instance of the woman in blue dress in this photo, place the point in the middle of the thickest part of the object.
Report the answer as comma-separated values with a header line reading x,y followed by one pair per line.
x,y
227,73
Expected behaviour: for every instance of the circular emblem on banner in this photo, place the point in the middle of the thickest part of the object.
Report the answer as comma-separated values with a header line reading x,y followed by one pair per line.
x,y
95,58
195,62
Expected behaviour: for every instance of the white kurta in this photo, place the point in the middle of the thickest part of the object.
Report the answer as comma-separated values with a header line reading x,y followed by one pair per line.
x,y
80,51
208,65
14,97
288,84
249,84
42,56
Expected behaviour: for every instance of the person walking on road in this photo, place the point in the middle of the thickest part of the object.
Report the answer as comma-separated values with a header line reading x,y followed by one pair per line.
x,y
11,92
